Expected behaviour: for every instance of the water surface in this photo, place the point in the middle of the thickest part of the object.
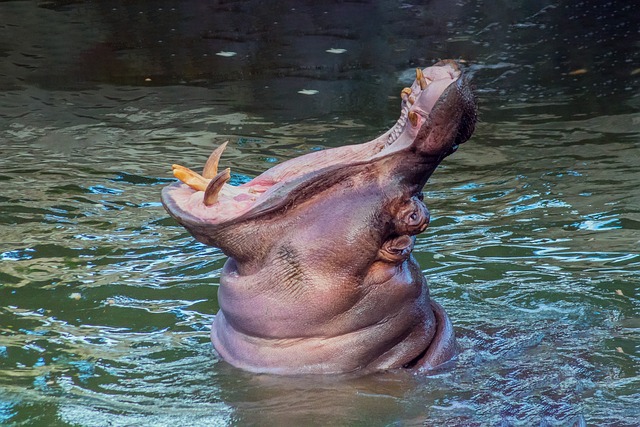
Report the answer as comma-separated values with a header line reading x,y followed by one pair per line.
x,y
533,249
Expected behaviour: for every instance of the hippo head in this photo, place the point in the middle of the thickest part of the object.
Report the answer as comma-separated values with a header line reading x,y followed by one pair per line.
x,y
320,277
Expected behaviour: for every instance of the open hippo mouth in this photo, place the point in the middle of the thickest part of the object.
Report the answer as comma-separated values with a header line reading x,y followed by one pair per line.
x,y
320,277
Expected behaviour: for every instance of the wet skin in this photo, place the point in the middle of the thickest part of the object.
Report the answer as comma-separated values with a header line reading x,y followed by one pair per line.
x,y
320,276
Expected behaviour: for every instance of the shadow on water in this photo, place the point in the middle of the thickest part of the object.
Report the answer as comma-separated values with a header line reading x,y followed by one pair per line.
x,y
534,246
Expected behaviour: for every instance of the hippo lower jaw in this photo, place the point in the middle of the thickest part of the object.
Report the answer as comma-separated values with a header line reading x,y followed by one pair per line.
x,y
320,277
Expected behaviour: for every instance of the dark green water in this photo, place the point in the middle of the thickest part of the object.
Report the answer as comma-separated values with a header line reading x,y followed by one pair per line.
x,y
534,246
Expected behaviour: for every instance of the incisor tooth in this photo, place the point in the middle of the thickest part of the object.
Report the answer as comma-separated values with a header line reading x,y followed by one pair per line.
x,y
211,167
420,78
413,118
214,187
189,177
405,92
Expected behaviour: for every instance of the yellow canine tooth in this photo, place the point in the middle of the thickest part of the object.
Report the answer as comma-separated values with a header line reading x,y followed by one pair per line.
x,y
413,118
411,100
420,78
211,167
405,92
189,177
214,187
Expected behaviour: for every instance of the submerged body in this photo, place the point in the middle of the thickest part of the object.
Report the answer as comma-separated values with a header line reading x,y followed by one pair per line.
x,y
320,277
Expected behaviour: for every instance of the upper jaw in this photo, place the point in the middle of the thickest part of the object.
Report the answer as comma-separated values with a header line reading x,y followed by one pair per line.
x,y
419,99
209,199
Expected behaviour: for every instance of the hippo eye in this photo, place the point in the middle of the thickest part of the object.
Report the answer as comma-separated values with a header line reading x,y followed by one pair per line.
x,y
414,216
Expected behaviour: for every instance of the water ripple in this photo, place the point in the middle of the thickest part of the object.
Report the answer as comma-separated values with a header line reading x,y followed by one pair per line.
x,y
533,247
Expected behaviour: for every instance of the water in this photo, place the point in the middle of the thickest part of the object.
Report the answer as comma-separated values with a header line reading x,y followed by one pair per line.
x,y
534,247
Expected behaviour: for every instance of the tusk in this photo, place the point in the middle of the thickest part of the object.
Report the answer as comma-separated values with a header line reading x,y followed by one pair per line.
x,y
420,78
189,177
413,118
211,167
214,187
405,92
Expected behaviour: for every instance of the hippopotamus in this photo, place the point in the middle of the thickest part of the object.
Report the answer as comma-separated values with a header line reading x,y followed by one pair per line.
x,y
320,278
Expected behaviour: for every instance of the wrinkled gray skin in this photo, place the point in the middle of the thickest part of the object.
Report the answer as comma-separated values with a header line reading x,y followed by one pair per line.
x,y
320,276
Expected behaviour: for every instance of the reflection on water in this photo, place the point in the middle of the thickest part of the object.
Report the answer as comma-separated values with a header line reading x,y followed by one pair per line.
x,y
534,247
